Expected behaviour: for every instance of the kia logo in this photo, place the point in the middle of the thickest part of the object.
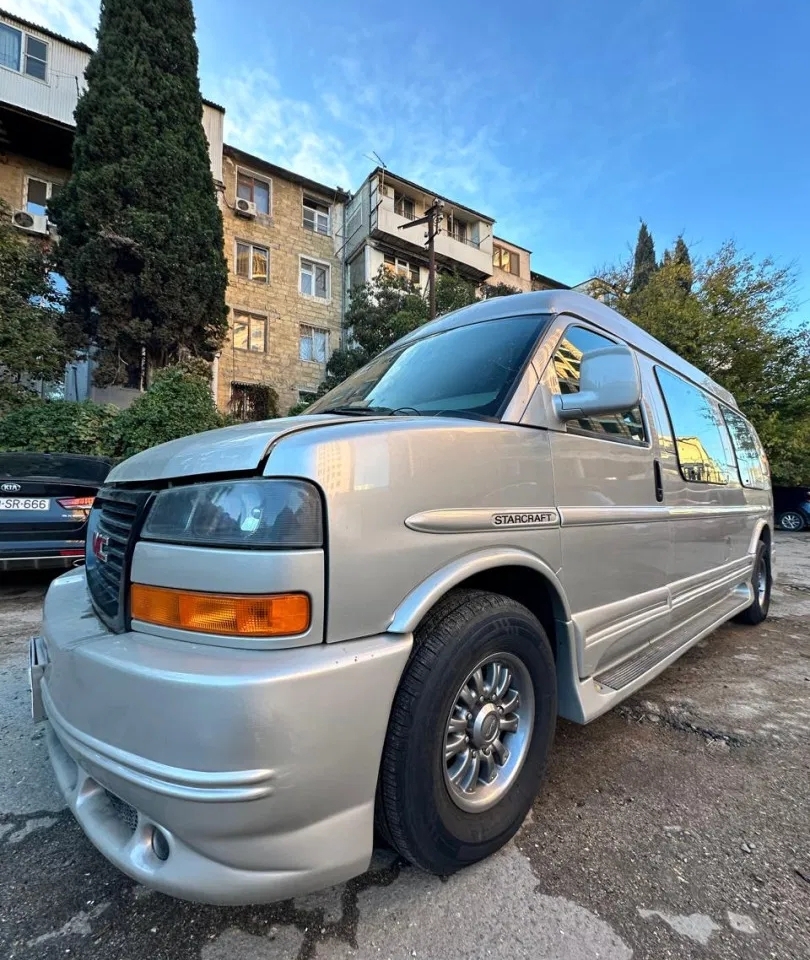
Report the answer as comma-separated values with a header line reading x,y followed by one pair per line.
x,y
100,544
10,488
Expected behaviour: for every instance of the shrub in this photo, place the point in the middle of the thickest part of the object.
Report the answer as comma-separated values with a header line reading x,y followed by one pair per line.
x,y
178,403
59,426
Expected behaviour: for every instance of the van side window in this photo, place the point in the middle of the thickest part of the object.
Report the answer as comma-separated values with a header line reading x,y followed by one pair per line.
x,y
750,457
695,427
625,427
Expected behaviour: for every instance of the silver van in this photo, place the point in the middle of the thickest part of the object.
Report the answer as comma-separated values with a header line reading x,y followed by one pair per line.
x,y
290,633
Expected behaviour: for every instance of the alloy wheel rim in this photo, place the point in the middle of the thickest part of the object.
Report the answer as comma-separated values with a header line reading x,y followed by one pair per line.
x,y
762,582
791,521
488,732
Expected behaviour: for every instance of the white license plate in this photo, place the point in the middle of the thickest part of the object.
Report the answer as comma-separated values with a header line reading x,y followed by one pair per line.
x,y
24,503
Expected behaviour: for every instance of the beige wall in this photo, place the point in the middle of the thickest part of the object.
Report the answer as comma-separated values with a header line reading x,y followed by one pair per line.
x,y
13,172
524,280
280,300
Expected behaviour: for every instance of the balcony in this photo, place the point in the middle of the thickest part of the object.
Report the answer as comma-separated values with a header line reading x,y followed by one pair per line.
x,y
469,256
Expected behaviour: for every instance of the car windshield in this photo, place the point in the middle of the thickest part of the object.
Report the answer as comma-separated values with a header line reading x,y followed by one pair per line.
x,y
466,371
53,466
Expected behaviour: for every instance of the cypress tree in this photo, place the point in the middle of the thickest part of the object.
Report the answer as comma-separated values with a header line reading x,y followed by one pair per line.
x,y
141,239
644,265
681,258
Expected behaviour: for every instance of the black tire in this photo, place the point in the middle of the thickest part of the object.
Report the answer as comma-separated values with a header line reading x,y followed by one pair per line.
x,y
758,610
795,520
415,810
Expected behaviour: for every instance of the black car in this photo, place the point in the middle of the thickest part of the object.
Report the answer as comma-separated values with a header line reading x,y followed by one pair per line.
x,y
45,499
791,507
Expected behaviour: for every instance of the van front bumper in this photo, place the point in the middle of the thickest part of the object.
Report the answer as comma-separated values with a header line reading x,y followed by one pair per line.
x,y
213,774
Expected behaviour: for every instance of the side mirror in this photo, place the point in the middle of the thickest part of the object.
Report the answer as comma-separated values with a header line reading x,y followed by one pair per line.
x,y
609,382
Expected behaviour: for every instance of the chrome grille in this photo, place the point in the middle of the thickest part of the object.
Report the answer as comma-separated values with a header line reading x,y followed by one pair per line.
x,y
111,529
123,811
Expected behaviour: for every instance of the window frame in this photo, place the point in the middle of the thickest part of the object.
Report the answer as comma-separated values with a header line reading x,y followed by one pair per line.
x,y
241,315
577,431
317,202
314,262
725,410
313,329
49,185
403,199
246,387
411,268
254,175
721,427
251,247
23,55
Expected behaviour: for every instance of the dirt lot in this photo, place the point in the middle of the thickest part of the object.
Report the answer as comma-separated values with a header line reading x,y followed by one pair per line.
x,y
676,826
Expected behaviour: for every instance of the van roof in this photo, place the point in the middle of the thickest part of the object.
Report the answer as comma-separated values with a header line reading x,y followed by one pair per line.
x,y
579,305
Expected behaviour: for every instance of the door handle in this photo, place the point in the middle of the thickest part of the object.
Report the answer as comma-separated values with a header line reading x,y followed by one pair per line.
x,y
659,486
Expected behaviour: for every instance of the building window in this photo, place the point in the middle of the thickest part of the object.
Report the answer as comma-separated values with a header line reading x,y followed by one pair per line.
x,y
38,193
506,260
316,216
695,428
625,427
402,268
249,401
404,206
314,345
255,190
36,57
34,60
315,280
458,230
249,331
307,396
252,262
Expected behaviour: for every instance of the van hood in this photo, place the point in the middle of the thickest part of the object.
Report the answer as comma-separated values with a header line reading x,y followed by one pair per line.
x,y
227,450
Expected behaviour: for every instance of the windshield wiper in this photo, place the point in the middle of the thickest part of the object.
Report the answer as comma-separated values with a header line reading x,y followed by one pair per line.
x,y
349,411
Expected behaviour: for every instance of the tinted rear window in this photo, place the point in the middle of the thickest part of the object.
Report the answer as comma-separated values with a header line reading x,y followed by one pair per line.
x,y
54,466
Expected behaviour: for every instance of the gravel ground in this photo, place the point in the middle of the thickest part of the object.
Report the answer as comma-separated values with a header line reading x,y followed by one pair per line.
x,y
676,826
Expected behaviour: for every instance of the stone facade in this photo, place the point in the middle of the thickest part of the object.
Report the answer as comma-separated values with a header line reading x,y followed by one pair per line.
x,y
14,171
518,274
277,307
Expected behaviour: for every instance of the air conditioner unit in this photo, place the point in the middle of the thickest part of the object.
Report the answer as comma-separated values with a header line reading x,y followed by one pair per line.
x,y
245,208
30,222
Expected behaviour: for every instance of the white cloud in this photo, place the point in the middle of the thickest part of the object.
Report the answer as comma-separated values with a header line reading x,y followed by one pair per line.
x,y
260,120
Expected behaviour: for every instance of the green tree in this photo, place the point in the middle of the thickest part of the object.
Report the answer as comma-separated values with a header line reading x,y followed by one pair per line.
x,y
453,292
644,265
141,240
31,346
728,315
490,290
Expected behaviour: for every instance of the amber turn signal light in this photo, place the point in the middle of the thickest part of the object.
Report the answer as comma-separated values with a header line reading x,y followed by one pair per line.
x,y
275,615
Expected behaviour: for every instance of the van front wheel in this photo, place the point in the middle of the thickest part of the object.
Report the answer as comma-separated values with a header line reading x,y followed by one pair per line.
x,y
470,732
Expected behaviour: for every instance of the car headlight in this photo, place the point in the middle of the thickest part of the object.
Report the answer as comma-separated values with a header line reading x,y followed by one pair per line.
x,y
255,513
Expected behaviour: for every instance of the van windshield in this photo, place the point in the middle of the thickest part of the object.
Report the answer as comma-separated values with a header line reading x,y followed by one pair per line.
x,y
467,371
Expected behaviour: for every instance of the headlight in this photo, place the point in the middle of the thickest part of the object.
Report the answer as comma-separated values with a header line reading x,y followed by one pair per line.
x,y
257,513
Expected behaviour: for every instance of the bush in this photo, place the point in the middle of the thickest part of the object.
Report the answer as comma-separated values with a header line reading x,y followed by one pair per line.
x,y
297,409
178,403
59,426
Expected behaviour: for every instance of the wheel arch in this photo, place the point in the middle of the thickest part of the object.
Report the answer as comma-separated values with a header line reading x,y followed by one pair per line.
x,y
517,574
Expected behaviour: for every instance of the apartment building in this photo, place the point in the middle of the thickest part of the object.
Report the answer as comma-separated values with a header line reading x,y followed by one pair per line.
x,y
378,233
511,265
283,237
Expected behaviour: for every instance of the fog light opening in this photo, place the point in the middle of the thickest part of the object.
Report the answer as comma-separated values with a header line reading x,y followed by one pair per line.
x,y
160,845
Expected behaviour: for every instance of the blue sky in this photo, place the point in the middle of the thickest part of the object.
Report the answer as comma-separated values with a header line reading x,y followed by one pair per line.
x,y
567,121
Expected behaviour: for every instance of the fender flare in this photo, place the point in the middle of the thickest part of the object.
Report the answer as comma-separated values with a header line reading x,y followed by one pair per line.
x,y
419,601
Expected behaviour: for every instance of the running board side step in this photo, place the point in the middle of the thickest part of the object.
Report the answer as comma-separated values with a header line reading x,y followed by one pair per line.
x,y
623,674
590,698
